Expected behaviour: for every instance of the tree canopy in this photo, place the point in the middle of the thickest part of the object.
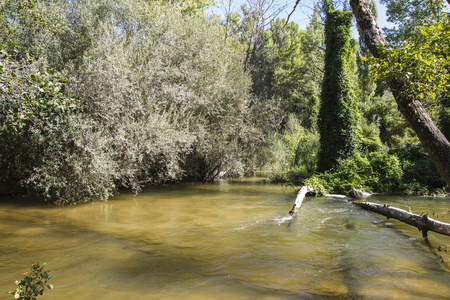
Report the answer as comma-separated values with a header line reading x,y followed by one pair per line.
x,y
96,96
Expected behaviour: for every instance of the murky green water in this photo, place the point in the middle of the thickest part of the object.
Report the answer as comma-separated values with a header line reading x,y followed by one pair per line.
x,y
224,241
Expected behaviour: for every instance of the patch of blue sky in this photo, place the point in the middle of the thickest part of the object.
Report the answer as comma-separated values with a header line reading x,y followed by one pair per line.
x,y
303,12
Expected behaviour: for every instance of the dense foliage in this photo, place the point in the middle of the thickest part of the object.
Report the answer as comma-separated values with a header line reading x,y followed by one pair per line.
x,y
101,95
422,61
159,100
339,120
410,16
390,159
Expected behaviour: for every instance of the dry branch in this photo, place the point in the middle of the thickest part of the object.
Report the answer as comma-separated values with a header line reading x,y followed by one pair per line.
x,y
422,222
300,196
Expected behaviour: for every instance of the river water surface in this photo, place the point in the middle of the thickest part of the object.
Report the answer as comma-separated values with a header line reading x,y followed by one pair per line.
x,y
229,240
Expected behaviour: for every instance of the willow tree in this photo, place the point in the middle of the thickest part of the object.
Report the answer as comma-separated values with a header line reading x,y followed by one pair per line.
x,y
162,99
339,119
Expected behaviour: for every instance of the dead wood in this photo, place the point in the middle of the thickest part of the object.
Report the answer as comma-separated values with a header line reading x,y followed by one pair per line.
x,y
422,222
300,196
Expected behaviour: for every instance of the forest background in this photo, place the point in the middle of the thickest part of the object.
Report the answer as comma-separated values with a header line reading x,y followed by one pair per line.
x,y
101,95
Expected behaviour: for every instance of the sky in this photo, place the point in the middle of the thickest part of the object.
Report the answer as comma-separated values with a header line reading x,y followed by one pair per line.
x,y
305,9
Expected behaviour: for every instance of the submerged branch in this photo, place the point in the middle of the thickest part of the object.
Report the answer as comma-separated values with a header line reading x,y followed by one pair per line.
x,y
422,222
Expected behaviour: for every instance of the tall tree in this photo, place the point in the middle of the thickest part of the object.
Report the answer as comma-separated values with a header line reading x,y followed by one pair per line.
x,y
290,70
313,50
288,62
162,99
257,15
409,28
367,84
339,120
230,17
409,16
408,102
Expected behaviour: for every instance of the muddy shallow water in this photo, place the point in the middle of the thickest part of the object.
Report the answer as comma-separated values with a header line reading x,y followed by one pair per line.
x,y
228,240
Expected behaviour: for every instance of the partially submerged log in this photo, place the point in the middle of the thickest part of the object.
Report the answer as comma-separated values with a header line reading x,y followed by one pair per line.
x,y
358,193
355,193
300,196
336,196
422,222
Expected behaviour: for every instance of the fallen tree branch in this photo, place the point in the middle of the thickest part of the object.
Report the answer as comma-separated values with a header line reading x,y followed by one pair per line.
x,y
336,196
422,222
300,196
355,193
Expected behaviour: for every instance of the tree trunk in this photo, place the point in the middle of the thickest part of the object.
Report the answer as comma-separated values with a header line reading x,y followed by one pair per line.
x,y
300,196
422,222
339,121
432,139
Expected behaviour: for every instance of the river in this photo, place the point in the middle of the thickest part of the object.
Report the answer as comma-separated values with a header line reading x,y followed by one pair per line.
x,y
228,240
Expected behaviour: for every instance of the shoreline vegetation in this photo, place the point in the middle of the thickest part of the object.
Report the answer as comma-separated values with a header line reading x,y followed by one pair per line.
x,y
98,96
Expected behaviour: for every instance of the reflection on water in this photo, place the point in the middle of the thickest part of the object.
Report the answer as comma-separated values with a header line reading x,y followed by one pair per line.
x,y
230,240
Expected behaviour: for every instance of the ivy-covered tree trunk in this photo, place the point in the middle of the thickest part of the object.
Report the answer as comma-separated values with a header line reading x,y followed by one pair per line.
x,y
339,119
432,139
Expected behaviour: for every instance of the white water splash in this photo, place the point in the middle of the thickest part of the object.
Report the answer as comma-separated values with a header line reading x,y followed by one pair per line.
x,y
276,220
281,220
326,219
248,225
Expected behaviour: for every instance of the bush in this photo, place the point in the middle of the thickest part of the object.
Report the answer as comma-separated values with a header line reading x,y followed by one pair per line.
x,y
33,284
294,148
319,185
295,175
420,174
376,172
382,112
28,92
408,172
387,173
71,161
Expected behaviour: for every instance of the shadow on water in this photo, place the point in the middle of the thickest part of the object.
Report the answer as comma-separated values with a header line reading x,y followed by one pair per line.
x,y
372,248
18,201
220,241
289,224
429,245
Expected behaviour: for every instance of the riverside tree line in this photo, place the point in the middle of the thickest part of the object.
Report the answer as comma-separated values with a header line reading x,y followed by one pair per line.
x,y
100,95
